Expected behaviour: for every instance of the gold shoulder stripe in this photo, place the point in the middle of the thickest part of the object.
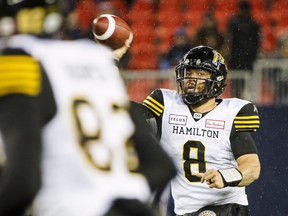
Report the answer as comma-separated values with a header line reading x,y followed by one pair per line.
x,y
154,105
19,74
247,123
250,128
16,58
247,120
157,113
153,108
246,126
155,102
247,117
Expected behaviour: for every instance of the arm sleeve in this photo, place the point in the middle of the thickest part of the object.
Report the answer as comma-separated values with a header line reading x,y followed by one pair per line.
x,y
26,103
246,121
242,143
154,105
20,179
155,164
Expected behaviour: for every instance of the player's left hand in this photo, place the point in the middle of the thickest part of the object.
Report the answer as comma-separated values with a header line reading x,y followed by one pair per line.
x,y
212,177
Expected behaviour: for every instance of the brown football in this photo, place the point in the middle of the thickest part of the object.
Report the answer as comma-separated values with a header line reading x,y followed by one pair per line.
x,y
111,30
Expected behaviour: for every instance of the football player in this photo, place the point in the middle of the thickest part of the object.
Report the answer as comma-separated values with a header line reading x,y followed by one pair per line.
x,y
208,138
70,145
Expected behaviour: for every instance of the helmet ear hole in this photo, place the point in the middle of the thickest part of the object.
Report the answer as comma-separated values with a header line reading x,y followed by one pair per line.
x,y
202,58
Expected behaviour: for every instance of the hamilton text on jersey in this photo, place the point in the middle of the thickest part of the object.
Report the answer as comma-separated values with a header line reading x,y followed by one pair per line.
x,y
195,131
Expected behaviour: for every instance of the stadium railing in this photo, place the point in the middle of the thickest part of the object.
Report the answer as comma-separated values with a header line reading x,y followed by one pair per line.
x,y
267,84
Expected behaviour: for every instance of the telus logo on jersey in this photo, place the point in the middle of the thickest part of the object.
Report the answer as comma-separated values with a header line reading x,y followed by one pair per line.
x,y
177,119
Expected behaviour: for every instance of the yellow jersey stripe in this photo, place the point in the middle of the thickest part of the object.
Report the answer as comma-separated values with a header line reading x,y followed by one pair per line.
x,y
154,111
8,64
16,58
155,102
247,122
19,74
247,126
153,106
247,117
19,89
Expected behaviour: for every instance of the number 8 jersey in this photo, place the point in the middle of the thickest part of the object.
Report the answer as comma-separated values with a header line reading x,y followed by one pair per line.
x,y
200,141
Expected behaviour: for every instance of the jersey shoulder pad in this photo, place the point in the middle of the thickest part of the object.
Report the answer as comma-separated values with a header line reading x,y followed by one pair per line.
x,y
19,74
155,102
247,119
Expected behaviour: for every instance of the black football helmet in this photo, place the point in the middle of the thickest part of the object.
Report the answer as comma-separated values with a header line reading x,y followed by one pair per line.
x,y
202,58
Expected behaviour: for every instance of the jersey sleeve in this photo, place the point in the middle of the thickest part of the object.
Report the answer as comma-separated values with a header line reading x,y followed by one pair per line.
x,y
155,103
19,74
243,143
20,86
247,119
155,164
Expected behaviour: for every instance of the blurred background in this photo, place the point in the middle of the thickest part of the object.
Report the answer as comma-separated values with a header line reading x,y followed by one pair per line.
x,y
251,35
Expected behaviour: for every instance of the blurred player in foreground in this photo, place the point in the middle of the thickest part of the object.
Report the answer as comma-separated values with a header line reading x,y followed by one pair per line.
x,y
208,138
67,134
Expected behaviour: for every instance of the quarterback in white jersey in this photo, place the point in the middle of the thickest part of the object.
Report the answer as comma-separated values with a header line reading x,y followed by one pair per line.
x,y
208,138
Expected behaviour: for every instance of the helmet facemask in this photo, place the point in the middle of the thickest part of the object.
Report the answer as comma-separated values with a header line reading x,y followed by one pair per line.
x,y
197,90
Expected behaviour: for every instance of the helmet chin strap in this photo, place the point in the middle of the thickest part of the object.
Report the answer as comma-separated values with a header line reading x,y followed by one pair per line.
x,y
194,100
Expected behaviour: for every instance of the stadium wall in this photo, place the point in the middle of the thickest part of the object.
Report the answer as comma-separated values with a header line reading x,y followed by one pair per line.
x,y
268,196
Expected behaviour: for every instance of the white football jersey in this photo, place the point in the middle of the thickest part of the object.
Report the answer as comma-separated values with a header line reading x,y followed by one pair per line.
x,y
85,164
196,145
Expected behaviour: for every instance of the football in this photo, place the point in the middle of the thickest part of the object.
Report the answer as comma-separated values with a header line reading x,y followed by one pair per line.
x,y
111,30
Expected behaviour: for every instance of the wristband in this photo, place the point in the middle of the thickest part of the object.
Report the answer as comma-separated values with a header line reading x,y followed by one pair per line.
x,y
231,177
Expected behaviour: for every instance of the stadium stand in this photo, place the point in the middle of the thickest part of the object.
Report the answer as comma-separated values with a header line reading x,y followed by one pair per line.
x,y
153,24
